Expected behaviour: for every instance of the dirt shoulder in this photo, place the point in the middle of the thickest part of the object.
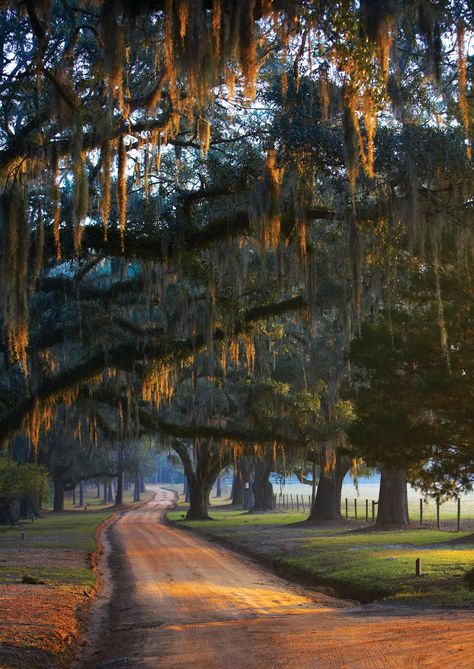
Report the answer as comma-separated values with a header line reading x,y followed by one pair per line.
x,y
46,582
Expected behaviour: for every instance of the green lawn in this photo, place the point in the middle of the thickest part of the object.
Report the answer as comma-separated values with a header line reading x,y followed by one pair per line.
x,y
71,530
358,563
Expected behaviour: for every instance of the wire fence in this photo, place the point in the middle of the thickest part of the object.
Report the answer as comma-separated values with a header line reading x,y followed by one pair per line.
x,y
455,514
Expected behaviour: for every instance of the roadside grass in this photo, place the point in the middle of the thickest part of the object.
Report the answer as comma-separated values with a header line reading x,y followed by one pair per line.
x,y
70,530
74,576
355,561
43,614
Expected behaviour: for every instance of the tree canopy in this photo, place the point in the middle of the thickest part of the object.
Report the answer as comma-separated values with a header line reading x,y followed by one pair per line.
x,y
189,189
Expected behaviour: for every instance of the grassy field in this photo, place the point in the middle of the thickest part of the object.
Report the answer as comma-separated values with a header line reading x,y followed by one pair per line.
x,y
42,616
356,561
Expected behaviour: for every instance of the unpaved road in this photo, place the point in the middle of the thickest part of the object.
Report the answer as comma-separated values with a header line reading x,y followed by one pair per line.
x,y
182,602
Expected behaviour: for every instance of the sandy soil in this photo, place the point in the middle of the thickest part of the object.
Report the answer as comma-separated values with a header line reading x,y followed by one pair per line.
x,y
38,623
180,601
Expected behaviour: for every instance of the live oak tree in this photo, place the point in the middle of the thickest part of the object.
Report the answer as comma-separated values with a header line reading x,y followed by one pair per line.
x,y
415,395
130,145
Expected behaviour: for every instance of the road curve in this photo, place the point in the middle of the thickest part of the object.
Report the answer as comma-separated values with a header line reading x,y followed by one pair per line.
x,y
180,601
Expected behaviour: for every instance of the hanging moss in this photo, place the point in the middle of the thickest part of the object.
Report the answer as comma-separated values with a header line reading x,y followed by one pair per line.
x,y
15,242
204,136
39,246
462,78
122,189
56,197
80,198
106,198
113,41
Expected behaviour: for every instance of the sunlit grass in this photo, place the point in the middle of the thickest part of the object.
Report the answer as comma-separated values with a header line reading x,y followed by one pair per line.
x,y
358,563
70,530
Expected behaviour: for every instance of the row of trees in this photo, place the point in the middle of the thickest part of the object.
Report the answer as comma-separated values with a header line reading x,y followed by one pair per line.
x,y
246,226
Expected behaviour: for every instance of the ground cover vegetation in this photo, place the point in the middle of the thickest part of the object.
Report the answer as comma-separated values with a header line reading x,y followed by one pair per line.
x,y
240,231
352,561
46,580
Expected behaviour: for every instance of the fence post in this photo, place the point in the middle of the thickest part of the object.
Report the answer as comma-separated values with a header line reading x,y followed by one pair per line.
x,y
373,511
302,503
292,503
437,512
459,514
347,509
355,509
421,512
366,510
418,569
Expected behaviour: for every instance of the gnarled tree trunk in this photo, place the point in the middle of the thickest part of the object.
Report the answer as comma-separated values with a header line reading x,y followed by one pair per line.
x,y
261,487
393,498
327,503
120,476
58,495
200,478
137,487
237,486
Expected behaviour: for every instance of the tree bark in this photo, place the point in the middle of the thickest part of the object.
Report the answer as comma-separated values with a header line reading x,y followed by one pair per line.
x,y
81,494
119,494
136,489
219,487
237,487
327,503
200,477
393,498
261,487
198,500
58,496
105,499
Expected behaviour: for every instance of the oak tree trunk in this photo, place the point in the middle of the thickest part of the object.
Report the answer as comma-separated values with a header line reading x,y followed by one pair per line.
x,y
136,488
237,488
393,498
120,473
198,500
327,503
58,495
261,487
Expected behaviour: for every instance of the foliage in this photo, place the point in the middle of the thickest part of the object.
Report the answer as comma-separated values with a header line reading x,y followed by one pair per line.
x,y
17,480
415,396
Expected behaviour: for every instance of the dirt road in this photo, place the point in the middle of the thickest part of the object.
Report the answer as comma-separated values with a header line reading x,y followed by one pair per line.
x,y
182,602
